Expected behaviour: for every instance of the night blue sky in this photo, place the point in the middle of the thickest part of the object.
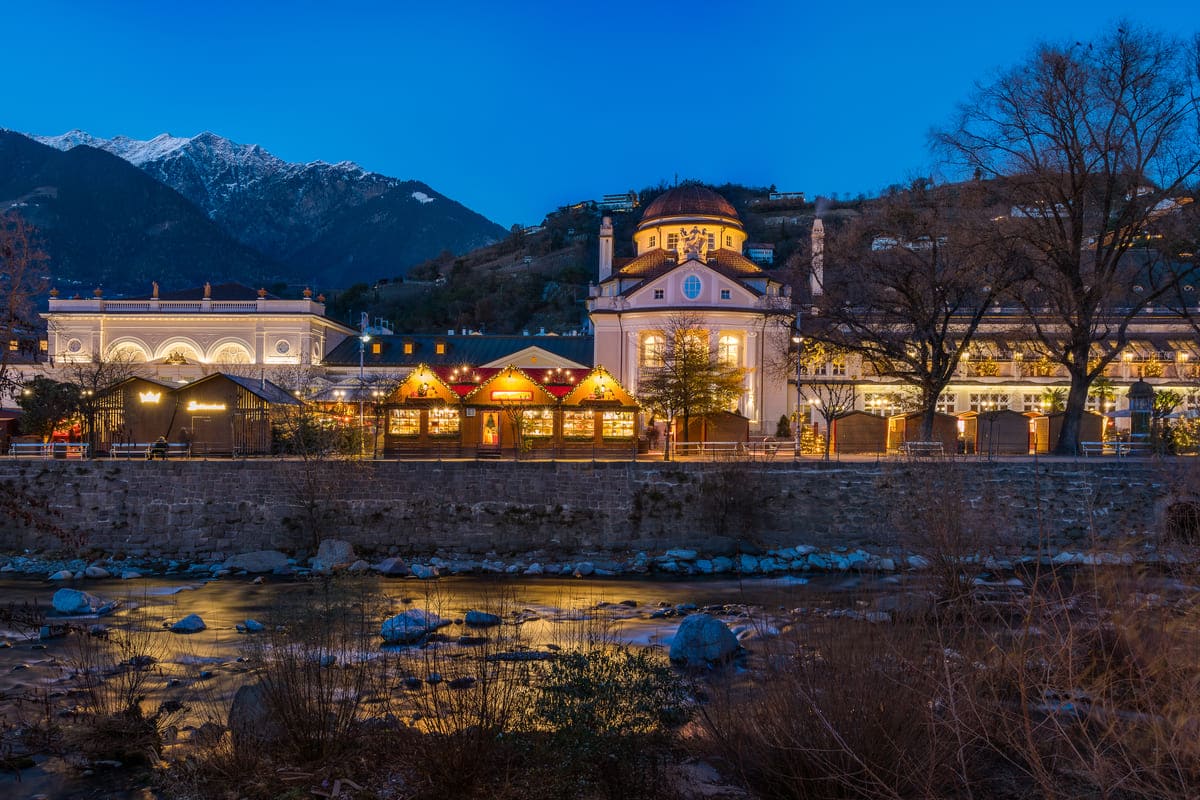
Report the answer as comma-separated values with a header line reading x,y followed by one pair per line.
x,y
515,108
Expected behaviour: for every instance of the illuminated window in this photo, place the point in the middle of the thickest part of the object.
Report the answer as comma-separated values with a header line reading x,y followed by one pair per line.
x,y
725,294
672,241
988,401
946,402
617,425
376,348
539,423
579,424
1031,402
691,287
838,367
440,348
712,242
443,421
728,350
652,350
408,348
658,294
729,242
653,241
404,422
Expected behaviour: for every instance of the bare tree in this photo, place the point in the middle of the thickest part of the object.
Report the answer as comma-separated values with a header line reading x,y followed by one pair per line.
x,y
689,379
910,282
21,264
834,398
1091,144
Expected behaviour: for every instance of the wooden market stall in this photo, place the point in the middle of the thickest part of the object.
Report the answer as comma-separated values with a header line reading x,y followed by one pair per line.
x,y
599,418
859,432
998,432
1047,429
509,413
907,428
424,417
135,411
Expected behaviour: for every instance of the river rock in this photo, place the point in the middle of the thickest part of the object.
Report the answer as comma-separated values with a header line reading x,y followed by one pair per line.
x,y
918,562
189,624
702,639
130,575
411,626
747,564
258,561
252,724
392,567
481,619
358,567
534,569
73,601
682,555
333,554
95,572
722,564
423,572
62,575
584,568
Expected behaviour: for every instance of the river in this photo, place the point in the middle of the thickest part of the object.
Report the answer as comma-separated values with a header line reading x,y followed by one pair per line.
x,y
213,662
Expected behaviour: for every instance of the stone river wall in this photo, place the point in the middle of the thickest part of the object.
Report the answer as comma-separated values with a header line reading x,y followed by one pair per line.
x,y
196,508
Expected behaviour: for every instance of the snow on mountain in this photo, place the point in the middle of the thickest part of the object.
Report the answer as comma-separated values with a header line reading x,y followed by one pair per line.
x,y
421,197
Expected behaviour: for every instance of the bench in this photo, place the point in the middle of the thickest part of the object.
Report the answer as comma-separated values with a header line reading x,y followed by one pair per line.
x,y
48,449
143,449
922,449
1118,449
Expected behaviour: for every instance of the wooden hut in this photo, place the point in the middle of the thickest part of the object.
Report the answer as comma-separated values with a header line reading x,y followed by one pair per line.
x,y
509,412
998,432
135,411
1048,428
718,426
227,414
424,417
907,428
601,406
859,432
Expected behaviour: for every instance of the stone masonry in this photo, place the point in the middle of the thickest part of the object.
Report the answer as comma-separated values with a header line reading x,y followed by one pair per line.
x,y
196,508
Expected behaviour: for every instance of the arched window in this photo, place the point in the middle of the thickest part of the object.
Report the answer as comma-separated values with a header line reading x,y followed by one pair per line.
x,y
652,350
729,350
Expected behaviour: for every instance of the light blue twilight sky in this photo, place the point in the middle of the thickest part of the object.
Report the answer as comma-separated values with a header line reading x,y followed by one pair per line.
x,y
515,108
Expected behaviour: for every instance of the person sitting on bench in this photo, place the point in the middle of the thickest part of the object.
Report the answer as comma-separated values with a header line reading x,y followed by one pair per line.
x,y
158,449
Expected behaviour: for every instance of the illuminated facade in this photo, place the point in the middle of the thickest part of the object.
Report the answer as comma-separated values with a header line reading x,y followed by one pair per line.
x,y
177,334
689,265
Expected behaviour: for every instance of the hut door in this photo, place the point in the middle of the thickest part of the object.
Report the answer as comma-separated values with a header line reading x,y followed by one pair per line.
x,y
490,435
200,434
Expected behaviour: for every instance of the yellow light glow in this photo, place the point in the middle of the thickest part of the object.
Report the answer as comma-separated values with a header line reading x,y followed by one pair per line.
x,y
149,397
511,394
194,406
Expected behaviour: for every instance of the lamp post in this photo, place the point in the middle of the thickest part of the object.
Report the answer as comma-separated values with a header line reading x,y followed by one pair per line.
x,y
798,340
1141,407
363,338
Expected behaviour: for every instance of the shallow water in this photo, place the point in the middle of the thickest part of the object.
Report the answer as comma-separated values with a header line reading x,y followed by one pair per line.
x,y
210,665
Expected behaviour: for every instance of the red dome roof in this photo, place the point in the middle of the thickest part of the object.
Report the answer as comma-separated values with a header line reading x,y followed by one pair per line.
x,y
688,201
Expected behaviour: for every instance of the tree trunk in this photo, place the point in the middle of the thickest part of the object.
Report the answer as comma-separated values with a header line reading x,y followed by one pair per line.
x,y
828,437
927,417
1068,437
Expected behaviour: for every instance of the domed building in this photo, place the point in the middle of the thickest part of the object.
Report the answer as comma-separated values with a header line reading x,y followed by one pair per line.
x,y
689,266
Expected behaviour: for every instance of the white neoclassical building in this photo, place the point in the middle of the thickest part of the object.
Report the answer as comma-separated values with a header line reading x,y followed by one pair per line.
x,y
689,262
179,334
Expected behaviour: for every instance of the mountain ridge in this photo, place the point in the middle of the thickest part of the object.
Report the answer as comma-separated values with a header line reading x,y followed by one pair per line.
x,y
318,218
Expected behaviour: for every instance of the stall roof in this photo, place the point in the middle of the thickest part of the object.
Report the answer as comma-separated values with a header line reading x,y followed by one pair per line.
x,y
260,387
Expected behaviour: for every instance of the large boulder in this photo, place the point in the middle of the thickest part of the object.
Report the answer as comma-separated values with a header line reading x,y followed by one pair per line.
x,y
189,624
394,567
73,601
258,561
333,554
481,619
701,640
411,626
252,724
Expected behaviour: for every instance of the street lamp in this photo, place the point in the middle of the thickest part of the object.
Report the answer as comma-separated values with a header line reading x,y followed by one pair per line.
x,y
797,340
363,338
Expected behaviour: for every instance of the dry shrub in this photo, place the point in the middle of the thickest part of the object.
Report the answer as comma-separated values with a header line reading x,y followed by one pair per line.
x,y
843,710
114,672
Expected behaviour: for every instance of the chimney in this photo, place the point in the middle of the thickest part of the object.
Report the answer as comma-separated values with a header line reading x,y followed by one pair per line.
x,y
606,248
817,279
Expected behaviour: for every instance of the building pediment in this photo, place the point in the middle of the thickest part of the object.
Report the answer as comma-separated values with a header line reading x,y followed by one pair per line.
x,y
534,357
692,283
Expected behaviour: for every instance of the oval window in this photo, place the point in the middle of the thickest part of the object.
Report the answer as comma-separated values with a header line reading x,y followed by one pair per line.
x,y
691,287
74,346
282,347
